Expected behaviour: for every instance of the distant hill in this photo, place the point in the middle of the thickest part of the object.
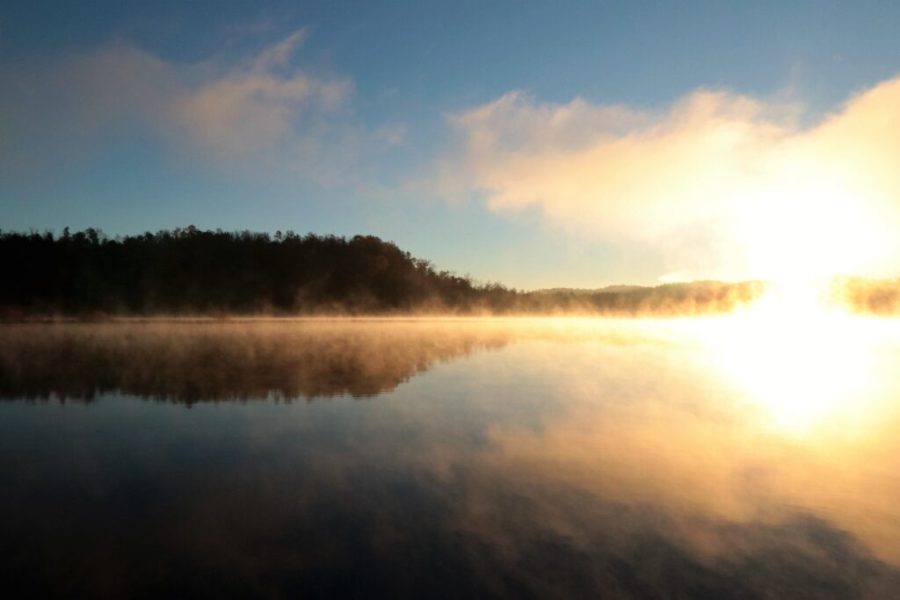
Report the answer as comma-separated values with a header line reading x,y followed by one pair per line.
x,y
668,299
588,291
195,272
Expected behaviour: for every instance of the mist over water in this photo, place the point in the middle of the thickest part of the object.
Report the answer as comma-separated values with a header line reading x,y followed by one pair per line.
x,y
443,458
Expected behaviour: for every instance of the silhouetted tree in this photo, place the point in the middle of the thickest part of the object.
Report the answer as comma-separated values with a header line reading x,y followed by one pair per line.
x,y
190,271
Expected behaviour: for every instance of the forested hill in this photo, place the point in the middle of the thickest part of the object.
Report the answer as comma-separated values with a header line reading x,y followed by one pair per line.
x,y
190,271
194,272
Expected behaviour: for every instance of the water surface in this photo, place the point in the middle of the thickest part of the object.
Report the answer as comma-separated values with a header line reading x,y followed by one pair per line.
x,y
525,458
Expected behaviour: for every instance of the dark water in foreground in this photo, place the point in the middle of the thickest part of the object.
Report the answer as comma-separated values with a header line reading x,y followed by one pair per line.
x,y
632,459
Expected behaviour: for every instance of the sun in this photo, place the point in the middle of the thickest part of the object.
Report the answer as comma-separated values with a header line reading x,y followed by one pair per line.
x,y
807,223
793,352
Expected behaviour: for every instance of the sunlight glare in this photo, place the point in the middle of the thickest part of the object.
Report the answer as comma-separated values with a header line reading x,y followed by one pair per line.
x,y
796,359
808,223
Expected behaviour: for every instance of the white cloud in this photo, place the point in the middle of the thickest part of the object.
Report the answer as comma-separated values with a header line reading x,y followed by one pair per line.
x,y
721,184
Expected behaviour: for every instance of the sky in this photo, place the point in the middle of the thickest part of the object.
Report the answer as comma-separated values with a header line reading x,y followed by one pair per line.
x,y
539,144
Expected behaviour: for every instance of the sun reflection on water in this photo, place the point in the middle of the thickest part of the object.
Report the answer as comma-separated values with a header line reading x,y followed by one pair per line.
x,y
803,363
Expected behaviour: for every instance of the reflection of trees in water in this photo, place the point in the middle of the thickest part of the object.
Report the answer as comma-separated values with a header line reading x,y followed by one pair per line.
x,y
192,362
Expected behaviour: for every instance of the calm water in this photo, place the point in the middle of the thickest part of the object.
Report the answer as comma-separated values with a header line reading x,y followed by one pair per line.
x,y
554,458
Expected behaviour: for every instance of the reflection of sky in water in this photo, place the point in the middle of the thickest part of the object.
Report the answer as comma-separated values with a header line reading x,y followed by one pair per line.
x,y
520,458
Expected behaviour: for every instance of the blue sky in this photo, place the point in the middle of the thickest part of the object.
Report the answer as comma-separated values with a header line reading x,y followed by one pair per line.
x,y
362,117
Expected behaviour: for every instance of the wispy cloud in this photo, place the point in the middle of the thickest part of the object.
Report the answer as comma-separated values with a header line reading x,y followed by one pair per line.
x,y
257,106
261,109
722,183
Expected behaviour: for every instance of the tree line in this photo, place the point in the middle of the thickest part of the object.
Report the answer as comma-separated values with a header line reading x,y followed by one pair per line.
x,y
189,271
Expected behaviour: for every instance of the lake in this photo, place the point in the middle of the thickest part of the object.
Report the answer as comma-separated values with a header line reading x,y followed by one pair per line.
x,y
658,458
